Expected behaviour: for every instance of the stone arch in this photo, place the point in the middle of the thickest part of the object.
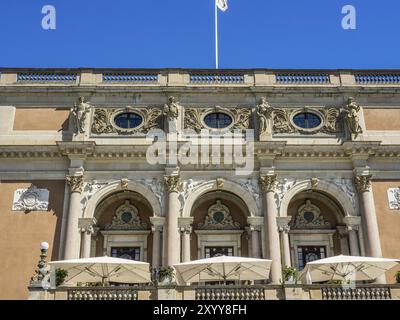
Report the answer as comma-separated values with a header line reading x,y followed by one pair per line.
x,y
116,187
228,186
326,187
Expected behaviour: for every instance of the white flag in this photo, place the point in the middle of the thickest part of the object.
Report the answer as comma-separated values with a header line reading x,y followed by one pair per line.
x,y
222,4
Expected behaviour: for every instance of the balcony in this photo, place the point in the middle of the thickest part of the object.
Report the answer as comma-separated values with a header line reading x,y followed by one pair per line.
x,y
223,293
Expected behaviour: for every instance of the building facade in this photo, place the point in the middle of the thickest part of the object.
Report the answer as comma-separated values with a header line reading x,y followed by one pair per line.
x,y
175,165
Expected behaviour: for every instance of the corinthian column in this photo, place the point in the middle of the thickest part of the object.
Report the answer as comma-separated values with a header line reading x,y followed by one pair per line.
x,y
369,220
284,228
173,186
72,232
268,186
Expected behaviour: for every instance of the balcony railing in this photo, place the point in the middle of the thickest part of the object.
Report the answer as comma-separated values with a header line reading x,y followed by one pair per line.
x,y
110,293
217,78
302,78
377,79
46,77
117,77
228,293
357,293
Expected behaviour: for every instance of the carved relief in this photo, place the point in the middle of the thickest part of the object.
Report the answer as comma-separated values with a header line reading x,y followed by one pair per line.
x,y
171,109
309,217
126,218
103,122
283,121
173,183
394,198
218,218
264,112
363,183
31,199
268,183
194,117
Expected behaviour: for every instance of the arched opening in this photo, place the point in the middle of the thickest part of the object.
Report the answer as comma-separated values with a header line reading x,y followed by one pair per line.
x,y
219,226
123,227
316,228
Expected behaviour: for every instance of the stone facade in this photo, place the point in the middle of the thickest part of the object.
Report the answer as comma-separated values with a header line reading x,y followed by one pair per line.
x,y
324,177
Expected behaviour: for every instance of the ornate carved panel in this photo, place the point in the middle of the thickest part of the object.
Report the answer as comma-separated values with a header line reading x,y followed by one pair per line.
x,y
309,217
103,120
126,218
31,199
194,118
394,198
218,218
283,123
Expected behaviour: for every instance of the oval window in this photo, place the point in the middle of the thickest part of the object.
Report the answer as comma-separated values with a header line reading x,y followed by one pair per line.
x,y
128,120
307,120
218,120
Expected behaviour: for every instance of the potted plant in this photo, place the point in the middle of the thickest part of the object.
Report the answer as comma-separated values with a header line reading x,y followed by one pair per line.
x,y
290,275
166,276
61,274
398,277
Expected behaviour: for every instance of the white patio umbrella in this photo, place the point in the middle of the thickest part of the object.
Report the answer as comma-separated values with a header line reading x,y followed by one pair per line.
x,y
103,269
223,268
347,268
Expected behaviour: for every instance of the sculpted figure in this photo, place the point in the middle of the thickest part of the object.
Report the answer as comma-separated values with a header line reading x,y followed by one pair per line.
x,y
171,109
352,116
79,112
264,112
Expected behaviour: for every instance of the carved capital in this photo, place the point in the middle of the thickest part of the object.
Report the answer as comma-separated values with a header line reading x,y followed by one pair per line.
x,y
283,224
173,183
363,183
268,183
86,225
75,183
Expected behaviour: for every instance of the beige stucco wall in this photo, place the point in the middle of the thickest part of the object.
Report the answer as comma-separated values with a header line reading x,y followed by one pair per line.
x,y
21,234
382,119
389,223
41,119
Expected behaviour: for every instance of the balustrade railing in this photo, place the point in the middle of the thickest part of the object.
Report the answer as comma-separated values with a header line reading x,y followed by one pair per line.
x,y
357,293
46,77
217,78
226,293
121,77
377,78
302,78
111,293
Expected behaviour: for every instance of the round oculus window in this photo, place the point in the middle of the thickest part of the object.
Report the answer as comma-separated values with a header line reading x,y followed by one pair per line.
x,y
128,120
126,217
218,120
309,216
307,120
218,217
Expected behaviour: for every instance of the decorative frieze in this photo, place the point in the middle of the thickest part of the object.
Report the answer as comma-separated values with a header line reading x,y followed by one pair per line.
x,y
218,218
394,198
31,199
126,218
103,120
75,183
363,183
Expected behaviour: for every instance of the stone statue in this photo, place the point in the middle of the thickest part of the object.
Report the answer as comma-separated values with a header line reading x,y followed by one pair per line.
x,y
352,116
264,112
171,109
79,112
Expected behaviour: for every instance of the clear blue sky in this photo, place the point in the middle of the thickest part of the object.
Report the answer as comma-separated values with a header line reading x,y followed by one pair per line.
x,y
180,33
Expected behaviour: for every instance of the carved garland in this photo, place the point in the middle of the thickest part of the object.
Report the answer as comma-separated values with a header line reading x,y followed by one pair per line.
x,y
194,117
103,120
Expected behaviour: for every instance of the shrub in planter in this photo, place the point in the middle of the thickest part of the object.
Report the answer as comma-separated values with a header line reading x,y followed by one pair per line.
x,y
290,275
166,275
61,274
398,277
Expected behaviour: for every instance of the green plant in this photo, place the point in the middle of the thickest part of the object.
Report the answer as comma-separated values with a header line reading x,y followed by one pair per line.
x,y
398,277
335,282
290,273
166,273
61,274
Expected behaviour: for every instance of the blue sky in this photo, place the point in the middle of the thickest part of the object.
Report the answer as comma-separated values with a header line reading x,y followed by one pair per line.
x,y
180,33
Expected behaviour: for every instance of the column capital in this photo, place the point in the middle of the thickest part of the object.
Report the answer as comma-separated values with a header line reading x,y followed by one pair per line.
x,y
255,223
268,183
173,183
157,223
86,225
75,183
185,224
283,224
352,223
363,182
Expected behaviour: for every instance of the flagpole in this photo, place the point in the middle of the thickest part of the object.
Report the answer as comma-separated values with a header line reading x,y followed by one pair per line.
x,y
216,34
